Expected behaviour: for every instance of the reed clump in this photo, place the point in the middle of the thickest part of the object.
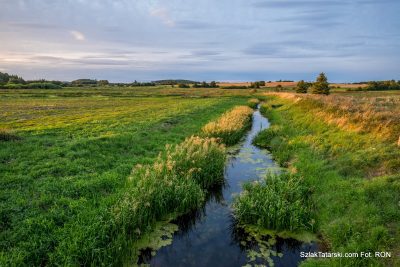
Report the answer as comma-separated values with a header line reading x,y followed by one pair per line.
x,y
231,126
173,184
253,103
278,202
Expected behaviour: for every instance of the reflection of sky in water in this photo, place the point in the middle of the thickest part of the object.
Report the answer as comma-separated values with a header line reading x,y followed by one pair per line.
x,y
208,236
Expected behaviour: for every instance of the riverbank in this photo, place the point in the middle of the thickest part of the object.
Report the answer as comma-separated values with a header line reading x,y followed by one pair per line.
x,y
354,176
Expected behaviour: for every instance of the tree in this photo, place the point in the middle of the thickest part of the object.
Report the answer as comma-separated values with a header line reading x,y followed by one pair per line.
x,y
321,85
302,87
213,84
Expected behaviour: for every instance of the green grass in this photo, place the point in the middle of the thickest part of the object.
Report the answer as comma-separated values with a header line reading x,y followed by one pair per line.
x,y
69,167
279,202
354,176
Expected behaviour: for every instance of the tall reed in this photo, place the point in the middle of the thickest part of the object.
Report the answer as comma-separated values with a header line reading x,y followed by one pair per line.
x,y
231,126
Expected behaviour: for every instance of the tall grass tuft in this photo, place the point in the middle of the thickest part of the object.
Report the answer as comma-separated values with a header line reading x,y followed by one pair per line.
x,y
231,126
6,135
278,202
253,103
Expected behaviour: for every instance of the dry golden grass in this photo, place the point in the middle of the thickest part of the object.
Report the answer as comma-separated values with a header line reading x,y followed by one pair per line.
x,y
375,114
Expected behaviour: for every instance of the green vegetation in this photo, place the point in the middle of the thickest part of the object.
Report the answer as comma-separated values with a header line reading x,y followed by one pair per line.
x,y
64,179
278,202
351,167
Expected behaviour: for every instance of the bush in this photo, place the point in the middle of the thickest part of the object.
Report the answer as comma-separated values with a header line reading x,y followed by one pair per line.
x,y
278,202
231,126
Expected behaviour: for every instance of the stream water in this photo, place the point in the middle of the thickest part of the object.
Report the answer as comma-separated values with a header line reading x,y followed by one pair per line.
x,y
209,237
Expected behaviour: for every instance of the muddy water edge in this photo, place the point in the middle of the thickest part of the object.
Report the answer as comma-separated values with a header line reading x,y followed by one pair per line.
x,y
211,237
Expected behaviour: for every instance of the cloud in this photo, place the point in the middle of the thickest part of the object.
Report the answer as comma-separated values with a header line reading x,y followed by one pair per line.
x,y
296,4
292,49
163,15
78,35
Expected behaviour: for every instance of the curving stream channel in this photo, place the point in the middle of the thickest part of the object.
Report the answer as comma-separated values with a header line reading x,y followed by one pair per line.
x,y
209,237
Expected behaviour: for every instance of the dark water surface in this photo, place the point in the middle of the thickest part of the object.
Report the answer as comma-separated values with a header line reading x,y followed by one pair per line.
x,y
209,237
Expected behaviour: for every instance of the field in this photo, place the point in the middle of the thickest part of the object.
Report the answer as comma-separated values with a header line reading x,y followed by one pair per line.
x,y
73,152
86,172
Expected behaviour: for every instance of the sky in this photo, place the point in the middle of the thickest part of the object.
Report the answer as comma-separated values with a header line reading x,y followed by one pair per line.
x,y
223,40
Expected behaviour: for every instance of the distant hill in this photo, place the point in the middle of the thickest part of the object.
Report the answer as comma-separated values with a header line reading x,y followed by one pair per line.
x,y
173,82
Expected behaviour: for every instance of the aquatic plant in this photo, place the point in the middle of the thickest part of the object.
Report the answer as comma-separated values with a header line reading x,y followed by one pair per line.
x,y
278,202
231,126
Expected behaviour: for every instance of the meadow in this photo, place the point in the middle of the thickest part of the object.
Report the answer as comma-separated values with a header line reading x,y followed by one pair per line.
x,y
344,149
67,168
87,172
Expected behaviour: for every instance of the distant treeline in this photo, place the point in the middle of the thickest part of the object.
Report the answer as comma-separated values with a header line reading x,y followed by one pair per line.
x,y
8,81
174,82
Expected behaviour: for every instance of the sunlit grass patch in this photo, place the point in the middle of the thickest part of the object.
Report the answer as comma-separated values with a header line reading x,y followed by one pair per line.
x,y
231,126
253,103
278,202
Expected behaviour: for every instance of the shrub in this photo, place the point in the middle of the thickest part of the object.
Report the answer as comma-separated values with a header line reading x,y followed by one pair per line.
x,y
278,202
231,126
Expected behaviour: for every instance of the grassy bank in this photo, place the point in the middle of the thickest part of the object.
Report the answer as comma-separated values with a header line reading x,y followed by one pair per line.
x,y
68,164
352,168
